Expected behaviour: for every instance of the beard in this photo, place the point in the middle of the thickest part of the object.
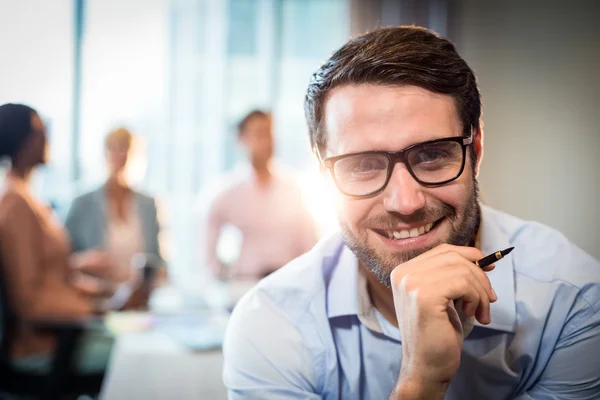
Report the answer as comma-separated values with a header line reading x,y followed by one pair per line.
x,y
462,232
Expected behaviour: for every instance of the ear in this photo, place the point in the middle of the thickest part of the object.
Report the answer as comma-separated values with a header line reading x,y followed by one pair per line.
x,y
478,146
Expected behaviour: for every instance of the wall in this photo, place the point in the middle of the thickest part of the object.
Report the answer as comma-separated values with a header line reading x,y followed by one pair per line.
x,y
36,68
537,66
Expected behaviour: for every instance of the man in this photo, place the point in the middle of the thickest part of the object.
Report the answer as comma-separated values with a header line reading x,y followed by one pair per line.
x,y
376,312
264,203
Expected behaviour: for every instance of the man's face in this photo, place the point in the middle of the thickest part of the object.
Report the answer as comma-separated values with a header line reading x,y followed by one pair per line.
x,y
257,139
373,117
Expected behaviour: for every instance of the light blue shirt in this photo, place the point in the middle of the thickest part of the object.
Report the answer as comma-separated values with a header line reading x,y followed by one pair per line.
x,y
301,334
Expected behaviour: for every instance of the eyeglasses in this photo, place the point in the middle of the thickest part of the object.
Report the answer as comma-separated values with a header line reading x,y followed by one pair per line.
x,y
431,163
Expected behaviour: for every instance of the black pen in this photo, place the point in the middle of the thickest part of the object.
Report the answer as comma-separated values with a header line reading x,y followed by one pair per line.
x,y
492,258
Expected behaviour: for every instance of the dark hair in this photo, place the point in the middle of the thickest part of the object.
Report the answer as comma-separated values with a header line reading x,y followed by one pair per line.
x,y
405,55
15,128
241,126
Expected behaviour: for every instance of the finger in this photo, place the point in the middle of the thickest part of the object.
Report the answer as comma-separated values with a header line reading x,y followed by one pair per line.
x,y
489,268
470,253
456,259
483,278
474,295
87,284
459,287
436,251
482,308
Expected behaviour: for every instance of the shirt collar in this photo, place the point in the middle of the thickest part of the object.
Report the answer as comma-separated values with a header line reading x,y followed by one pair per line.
x,y
342,293
343,290
493,238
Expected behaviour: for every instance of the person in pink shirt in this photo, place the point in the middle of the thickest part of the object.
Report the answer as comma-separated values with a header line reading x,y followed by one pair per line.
x,y
264,203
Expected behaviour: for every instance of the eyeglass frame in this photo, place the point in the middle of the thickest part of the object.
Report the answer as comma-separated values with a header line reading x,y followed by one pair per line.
x,y
395,157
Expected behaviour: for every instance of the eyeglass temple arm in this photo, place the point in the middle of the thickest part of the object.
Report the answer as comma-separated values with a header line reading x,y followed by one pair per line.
x,y
469,140
318,154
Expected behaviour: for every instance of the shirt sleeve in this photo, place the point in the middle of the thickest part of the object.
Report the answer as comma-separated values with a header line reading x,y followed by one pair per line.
x,y
266,356
573,370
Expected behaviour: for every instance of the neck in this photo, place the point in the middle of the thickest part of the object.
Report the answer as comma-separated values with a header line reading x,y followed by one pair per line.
x,y
263,172
381,297
23,173
116,185
117,181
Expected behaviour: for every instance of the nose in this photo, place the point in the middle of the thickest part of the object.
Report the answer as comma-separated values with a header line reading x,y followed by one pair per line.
x,y
403,194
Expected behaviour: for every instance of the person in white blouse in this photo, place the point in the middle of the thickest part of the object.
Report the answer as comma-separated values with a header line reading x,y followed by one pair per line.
x,y
121,221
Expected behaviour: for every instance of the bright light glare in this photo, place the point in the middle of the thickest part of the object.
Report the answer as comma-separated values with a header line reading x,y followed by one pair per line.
x,y
319,196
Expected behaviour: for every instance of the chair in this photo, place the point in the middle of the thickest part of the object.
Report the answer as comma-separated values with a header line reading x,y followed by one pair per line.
x,y
61,382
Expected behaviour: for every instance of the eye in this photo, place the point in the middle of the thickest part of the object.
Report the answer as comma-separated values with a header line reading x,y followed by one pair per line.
x,y
431,155
369,164
361,166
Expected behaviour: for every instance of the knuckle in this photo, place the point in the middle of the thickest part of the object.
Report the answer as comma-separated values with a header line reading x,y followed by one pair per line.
x,y
455,257
446,247
465,282
465,270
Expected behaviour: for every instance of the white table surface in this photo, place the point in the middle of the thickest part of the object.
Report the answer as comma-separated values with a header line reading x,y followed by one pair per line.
x,y
152,365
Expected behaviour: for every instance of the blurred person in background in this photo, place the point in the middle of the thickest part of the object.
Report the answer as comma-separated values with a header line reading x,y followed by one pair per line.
x,y
264,202
42,278
122,222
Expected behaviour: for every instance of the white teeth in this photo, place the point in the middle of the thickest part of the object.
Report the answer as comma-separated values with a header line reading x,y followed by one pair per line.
x,y
405,233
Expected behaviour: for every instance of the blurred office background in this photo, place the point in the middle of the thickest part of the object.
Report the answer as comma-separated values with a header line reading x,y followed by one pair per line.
x,y
180,74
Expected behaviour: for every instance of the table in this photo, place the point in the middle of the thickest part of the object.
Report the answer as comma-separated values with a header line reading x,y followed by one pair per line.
x,y
152,365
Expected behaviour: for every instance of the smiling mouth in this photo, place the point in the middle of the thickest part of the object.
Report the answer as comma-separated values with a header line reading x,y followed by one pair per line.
x,y
407,233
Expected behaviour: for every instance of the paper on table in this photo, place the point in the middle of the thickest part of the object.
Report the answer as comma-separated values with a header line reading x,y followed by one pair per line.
x,y
195,332
125,322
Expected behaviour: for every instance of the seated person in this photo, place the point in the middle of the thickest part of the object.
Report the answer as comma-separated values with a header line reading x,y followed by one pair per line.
x,y
122,222
42,279
264,203
383,309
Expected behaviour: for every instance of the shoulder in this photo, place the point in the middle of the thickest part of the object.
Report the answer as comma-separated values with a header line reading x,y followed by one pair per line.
x,y
545,255
145,199
17,209
12,200
87,197
279,331
295,294
288,176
